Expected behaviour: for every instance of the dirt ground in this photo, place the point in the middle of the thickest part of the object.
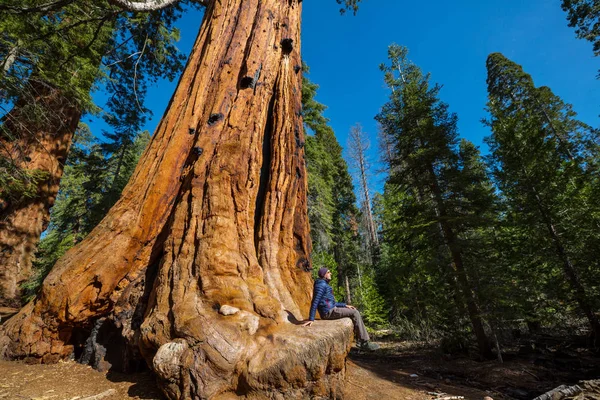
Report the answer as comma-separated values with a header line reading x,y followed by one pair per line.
x,y
399,370
69,380
72,381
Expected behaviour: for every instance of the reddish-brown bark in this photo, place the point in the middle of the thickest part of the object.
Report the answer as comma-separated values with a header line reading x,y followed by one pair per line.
x,y
214,215
35,144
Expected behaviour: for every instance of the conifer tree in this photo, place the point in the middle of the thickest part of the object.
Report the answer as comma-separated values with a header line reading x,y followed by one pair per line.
x,y
543,161
214,214
584,16
331,201
425,181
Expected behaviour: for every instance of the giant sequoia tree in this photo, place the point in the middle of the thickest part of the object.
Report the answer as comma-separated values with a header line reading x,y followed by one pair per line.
x,y
35,135
213,216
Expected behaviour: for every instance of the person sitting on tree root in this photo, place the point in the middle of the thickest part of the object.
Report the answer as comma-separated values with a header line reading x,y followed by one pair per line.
x,y
324,301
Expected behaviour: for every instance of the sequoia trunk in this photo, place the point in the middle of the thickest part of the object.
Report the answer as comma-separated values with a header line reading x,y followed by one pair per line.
x,y
214,215
32,145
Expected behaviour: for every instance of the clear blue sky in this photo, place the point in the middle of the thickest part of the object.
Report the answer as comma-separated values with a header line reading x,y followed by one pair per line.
x,y
449,39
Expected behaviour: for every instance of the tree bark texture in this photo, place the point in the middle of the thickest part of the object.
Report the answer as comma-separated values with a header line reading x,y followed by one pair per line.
x,y
213,219
36,143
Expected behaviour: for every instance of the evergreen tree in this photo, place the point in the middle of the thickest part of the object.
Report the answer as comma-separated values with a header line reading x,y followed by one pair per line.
x,y
584,16
333,213
544,162
214,215
427,188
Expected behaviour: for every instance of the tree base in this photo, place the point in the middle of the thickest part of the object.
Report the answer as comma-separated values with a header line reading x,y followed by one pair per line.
x,y
294,362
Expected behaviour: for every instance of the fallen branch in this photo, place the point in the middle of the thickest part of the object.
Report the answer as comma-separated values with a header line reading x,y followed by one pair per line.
x,y
102,395
560,392
531,373
449,398
355,384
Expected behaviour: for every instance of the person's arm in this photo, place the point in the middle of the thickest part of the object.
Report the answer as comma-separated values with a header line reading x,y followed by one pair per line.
x,y
341,305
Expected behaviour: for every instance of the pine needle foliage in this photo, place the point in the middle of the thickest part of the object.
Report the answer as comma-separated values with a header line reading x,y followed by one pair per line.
x,y
544,161
437,209
77,47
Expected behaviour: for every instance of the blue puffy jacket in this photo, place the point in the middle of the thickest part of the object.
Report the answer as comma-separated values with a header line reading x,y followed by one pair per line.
x,y
322,300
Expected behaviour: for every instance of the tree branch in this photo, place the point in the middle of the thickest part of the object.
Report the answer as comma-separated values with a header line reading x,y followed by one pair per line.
x,y
41,8
137,100
149,5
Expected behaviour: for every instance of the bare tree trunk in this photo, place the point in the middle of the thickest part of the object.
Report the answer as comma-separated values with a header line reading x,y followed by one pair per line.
x,y
358,146
214,215
40,146
348,296
10,59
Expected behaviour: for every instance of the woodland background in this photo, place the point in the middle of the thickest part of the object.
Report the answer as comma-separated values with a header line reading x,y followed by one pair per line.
x,y
455,246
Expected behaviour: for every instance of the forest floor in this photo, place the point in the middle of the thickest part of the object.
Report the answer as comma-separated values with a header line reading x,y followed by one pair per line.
x,y
399,370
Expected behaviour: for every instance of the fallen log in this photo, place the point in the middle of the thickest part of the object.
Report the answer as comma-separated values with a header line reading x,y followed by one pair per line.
x,y
584,390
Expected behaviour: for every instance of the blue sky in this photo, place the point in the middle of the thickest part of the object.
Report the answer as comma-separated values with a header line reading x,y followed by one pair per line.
x,y
449,39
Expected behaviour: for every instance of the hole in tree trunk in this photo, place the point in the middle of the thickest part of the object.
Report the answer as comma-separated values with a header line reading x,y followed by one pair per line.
x,y
247,82
105,349
304,265
287,45
214,118
264,172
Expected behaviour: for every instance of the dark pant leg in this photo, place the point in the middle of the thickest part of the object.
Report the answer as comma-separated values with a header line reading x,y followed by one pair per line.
x,y
359,327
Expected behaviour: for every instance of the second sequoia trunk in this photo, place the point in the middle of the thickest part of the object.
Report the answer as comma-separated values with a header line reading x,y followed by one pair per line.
x,y
34,145
214,215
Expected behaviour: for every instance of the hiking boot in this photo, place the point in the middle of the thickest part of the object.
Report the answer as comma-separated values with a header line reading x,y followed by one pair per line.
x,y
370,346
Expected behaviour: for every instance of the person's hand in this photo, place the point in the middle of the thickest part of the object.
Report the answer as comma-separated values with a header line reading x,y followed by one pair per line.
x,y
350,307
307,323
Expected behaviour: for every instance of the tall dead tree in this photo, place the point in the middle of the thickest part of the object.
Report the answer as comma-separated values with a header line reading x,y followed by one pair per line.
x,y
358,144
204,260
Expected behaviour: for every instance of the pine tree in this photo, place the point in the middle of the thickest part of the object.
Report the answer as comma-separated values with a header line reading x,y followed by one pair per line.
x,y
543,160
584,16
331,201
424,180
